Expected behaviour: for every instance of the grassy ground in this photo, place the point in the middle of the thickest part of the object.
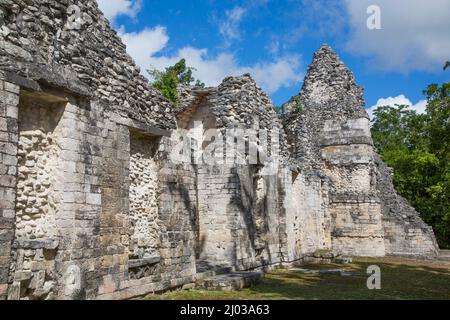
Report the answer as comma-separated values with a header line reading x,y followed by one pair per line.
x,y
400,279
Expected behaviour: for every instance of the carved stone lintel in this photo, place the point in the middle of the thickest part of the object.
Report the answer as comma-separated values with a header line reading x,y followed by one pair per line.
x,y
49,244
143,262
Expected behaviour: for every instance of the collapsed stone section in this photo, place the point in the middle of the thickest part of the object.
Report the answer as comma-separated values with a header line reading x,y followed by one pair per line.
x,y
330,86
405,233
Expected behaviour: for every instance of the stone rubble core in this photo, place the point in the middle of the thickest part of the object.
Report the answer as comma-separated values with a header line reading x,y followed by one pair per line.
x,y
92,207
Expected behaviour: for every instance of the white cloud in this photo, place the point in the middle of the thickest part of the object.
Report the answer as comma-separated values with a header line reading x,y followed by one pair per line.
x,y
282,72
114,8
414,34
229,28
419,107
146,46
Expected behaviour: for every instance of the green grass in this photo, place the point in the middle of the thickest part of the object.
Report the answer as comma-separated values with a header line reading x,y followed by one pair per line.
x,y
400,279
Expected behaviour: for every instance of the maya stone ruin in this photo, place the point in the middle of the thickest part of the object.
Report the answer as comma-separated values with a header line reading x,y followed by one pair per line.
x,y
92,206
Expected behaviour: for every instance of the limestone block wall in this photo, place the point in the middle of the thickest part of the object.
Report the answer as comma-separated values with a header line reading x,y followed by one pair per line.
x,y
237,202
39,42
306,216
256,233
217,187
266,207
238,217
215,184
172,262
403,238
355,208
178,213
357,228
86,255
239,103
9,106
74,161
58,155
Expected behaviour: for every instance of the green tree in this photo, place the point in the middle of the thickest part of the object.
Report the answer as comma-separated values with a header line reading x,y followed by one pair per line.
x,y
417,147
298,106
167,81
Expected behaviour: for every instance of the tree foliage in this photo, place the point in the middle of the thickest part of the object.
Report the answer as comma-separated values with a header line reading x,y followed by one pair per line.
x,y
298,106
417,147
168,81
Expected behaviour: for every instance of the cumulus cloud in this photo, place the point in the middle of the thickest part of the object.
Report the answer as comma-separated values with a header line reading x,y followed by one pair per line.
x,y
413,35
419,107
114,8
282,72
146,46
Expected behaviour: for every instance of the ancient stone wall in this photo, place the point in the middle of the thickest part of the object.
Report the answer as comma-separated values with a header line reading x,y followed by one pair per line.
x,y
346,149
237,200
405,233
74,225
9,105
307,220
93,204
74,162
239,103
178,216
256,218
217,187
59,163
330,132
74,47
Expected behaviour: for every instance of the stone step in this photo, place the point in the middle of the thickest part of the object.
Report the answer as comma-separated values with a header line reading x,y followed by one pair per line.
x,y
207,270
203,266
204,275
231,281
444,255
324,271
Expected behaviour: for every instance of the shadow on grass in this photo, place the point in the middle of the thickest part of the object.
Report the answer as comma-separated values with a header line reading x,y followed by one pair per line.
x,y
400,280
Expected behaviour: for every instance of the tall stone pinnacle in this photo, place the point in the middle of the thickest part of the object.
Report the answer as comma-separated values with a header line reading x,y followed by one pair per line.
x,y
330,85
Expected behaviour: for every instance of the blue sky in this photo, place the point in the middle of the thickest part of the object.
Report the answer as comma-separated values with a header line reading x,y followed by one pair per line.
x,y
274,40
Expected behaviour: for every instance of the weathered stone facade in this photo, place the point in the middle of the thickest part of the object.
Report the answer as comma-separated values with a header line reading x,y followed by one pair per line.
x,y
93,205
